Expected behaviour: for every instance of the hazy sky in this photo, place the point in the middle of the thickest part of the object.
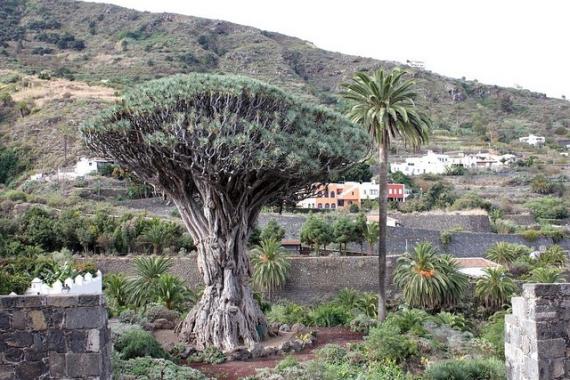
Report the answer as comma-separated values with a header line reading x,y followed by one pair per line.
x,y
505,42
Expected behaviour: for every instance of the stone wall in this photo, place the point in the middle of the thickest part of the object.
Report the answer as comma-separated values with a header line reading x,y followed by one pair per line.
x,y
463,244
310,279
537,333
54,337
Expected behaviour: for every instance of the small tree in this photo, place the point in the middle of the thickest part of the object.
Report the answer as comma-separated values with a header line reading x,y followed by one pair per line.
x,y
317,232
344,232
495,288
221,147
371,235
272,231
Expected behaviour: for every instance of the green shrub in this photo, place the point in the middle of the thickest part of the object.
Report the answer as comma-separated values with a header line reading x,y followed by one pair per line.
x,y
16,195
210,355
328,315
548,208
386,342
151,369
553,255
362,323
531,235
132,317
332,354
494,332
154,312
288,362
483,369
456,321
136,343
410,320
289,313
17,283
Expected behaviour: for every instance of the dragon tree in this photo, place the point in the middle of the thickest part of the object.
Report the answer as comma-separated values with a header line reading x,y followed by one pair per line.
x,y
221,147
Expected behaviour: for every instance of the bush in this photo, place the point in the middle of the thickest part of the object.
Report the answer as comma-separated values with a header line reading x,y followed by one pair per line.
x,y
362,323
386,342
494,333
531,235
548,208
17,283
150,369
132,317
136,343
155,312
16,196
483,369
210,355
332,354
553,255
328,315
289,313
471,201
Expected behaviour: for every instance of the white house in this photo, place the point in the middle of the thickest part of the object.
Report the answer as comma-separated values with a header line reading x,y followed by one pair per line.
x,y
533,140
430,163
87,166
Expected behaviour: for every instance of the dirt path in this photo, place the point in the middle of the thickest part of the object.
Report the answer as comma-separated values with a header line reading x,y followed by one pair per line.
x,y
237,370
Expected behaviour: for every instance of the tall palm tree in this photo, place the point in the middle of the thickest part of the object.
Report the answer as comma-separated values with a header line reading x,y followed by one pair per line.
x,y
383,103
371,234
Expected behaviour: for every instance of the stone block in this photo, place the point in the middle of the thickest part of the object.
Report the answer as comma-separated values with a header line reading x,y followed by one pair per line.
x,y
93,340
57,365
56,341
19,339
34,355
13,355
4,320
19,320
76,340
551,348
55,318
7,372
83,365
37,320
31,370
90,300
557,368
30,301
7,302
84,318
541,290
519,306
62,301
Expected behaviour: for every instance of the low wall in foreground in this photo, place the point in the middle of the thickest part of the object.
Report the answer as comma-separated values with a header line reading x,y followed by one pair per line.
x,y
537,333
310,279
54,337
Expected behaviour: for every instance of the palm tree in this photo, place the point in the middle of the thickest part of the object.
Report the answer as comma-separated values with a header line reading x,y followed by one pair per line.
x,y
116,291
171,291
502,253
428,279
371,235
270,266
553,255
384,105
158,235
495,288
546,275
143,288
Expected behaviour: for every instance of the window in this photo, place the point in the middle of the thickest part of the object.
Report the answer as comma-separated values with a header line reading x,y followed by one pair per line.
x,y
400,191
326,205
332,194
333,205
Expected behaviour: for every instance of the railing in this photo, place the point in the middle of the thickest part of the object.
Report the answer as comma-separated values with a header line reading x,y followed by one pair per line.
x,y
86,284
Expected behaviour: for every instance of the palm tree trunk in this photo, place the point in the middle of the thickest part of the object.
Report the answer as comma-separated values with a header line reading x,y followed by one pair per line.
x,y
382,220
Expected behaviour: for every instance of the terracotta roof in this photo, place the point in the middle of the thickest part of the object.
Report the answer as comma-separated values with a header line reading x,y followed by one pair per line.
x,y
475,262
290,242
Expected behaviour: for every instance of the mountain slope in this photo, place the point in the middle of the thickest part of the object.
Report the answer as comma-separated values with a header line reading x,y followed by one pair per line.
x,y
117,47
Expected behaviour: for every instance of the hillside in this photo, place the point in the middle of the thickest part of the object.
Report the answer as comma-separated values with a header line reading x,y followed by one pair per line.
x,y
105,48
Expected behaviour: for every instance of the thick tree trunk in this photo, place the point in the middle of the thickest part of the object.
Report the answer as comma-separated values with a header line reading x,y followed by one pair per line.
x,y
227,316
382,220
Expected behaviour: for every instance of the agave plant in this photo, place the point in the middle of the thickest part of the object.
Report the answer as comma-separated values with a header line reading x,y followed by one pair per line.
x,y
270,266
495,288
427,279
143,288
546,275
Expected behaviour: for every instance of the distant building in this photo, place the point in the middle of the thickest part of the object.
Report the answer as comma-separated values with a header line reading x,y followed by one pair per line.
x,y
343,195
435,163
474,266
533,140
87,166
